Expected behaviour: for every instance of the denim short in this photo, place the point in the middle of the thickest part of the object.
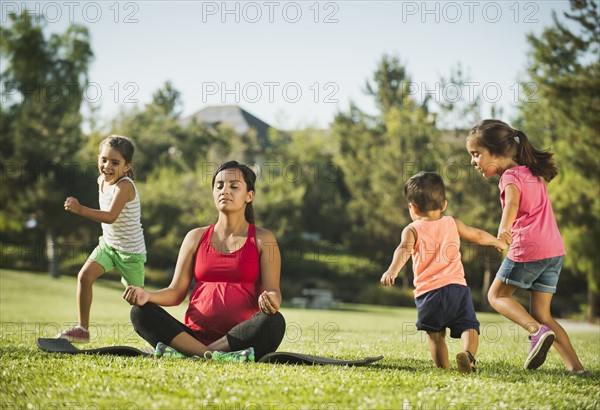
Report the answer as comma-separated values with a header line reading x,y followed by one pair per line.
x,y
541,276
450,306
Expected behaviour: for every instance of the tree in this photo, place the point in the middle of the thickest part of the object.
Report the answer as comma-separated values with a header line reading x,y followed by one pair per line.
x,y
458,110
562,106
43,89
390,85
377,154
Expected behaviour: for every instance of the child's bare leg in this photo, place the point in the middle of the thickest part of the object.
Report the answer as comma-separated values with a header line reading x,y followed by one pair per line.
x,y
540,310
438,349
500,298
470,341
88,274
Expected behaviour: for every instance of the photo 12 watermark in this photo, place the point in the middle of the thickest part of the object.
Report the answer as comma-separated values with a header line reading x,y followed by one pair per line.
x,y
253,12
125,92
252,92
488,333
267,405
316,333
469,405
85,12
67,405
121,333
470,92
290,171
490,12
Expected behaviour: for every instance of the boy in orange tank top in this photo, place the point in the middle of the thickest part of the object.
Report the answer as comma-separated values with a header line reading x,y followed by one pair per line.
x,y
441,293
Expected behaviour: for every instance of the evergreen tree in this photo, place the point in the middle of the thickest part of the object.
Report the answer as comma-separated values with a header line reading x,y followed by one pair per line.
x,y
377,154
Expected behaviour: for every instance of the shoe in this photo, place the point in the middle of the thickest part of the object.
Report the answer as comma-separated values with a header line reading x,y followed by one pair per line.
x,y
540,344
166,351
77,334
466,362
246,355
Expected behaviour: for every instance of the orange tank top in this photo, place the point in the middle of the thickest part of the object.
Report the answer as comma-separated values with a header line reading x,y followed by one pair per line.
x,y
436,255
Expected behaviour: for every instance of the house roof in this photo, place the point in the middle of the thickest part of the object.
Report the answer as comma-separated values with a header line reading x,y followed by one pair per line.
x,y
234,116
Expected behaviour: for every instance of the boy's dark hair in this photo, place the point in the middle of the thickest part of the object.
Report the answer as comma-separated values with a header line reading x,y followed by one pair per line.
x,y
426,190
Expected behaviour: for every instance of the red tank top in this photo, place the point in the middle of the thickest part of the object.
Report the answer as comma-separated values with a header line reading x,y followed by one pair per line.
x,y
227,287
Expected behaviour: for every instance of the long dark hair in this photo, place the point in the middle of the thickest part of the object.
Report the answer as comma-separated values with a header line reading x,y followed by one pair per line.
x,y
249,178
502,140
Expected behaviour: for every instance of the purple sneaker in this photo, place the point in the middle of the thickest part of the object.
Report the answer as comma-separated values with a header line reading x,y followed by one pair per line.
x,y
540,344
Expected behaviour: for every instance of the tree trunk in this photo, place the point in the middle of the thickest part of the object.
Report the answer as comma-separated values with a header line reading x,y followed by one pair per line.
x,y
487,275
592,302
52,253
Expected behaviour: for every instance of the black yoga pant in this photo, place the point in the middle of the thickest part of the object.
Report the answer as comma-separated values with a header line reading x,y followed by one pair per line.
x,y
263,332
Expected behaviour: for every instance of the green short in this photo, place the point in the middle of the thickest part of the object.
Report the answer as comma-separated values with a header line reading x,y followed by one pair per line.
x,y
130,265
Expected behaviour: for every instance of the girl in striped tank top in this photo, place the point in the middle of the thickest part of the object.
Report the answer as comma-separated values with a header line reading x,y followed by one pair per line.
x,y
121,245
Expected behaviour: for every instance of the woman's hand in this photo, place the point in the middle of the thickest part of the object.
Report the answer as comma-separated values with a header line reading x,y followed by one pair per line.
x,y
268,302
136,296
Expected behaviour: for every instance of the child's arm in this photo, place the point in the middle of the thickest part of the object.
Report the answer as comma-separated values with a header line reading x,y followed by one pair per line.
x,y
480,237
176,292
401,256
124,192
512,197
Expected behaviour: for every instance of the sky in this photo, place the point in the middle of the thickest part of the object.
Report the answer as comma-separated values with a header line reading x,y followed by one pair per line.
x,y
295,64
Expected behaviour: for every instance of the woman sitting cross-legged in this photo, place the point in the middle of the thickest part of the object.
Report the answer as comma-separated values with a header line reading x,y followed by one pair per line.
x,y
233,313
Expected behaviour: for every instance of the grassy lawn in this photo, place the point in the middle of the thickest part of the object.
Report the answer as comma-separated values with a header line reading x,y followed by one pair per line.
x,y
34,305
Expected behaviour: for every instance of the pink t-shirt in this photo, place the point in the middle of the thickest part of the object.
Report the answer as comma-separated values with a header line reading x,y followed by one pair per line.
x,y
436,255
534,231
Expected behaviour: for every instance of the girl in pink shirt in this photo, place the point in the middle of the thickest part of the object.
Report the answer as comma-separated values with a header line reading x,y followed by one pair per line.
x,y
537,251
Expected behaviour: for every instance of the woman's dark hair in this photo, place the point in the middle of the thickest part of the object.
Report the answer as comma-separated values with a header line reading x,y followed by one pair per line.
x,y
249,178
124,146
426,190
502,140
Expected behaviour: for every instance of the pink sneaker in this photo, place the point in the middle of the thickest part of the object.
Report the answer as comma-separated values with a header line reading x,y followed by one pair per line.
x,y
75,334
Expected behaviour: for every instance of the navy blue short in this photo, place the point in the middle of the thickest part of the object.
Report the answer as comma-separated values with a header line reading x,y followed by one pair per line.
x,y
451,307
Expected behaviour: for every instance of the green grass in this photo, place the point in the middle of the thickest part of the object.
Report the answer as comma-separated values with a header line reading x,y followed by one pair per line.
x,y
34,305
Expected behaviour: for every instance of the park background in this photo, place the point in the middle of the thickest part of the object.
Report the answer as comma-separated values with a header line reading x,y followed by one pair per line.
x,y
213,81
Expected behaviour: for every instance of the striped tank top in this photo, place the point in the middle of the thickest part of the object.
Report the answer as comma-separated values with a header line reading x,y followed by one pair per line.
x,y
125,234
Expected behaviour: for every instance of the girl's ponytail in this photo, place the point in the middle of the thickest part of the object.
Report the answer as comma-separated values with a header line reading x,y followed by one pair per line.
x,y
540,163
502,140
